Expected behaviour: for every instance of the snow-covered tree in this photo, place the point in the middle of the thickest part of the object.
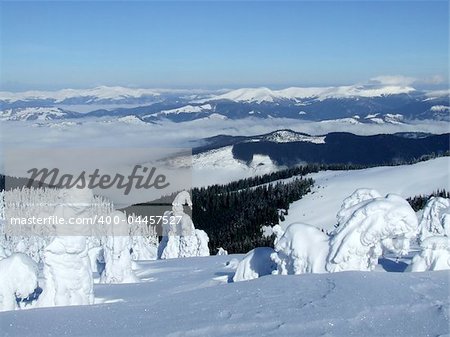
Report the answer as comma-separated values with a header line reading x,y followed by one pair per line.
x,y
434,255
116,252
2,206
144,239
435,218
41,203
202,243
180,238
67,269
255,264
3,253
301,249
369,226
18,279
221,251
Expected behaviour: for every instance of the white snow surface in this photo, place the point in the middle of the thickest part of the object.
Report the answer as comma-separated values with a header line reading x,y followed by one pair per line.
x,y
331,187
191,297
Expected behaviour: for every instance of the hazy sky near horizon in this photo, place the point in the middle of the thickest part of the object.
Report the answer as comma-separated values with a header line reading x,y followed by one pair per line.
x,y
52,45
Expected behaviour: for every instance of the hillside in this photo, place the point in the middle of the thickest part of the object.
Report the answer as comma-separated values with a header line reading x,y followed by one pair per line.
x,y
331,187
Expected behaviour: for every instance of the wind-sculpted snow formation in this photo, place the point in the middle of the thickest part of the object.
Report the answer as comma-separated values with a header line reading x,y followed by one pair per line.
x,y
180,237
116,252
434,255
360,195
67,268
18,279
371,225
255,264
368,225
301,249
435,218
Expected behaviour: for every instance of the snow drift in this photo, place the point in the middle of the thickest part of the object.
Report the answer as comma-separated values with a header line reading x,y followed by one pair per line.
x,y
255,264
18,279
367,225
301,249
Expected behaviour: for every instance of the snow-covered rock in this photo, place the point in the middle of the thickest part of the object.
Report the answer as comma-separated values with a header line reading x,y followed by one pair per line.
x,y
358,243
18,279
301,249
116,252
434,255
255,264
435,218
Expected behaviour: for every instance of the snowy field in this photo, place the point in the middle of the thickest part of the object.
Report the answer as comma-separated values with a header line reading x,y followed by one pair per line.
x,y
320,207
335,295
191,297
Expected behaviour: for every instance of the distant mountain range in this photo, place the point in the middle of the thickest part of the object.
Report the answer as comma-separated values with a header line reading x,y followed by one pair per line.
x,y
289,148
350,104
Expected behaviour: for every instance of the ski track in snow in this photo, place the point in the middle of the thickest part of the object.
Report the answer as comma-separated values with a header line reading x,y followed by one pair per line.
x,y
190,297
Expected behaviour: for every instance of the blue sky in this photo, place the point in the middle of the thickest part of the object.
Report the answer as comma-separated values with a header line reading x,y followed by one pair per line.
x,y
51,45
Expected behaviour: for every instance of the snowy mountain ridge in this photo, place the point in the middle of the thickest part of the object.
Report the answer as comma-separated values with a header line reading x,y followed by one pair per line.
x,y
308,103
36,114
264,94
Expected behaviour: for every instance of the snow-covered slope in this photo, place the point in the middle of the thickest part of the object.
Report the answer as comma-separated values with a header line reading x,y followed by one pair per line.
x,y
187,109
191,297
331,187
131,120
286,136
35,114
375,118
